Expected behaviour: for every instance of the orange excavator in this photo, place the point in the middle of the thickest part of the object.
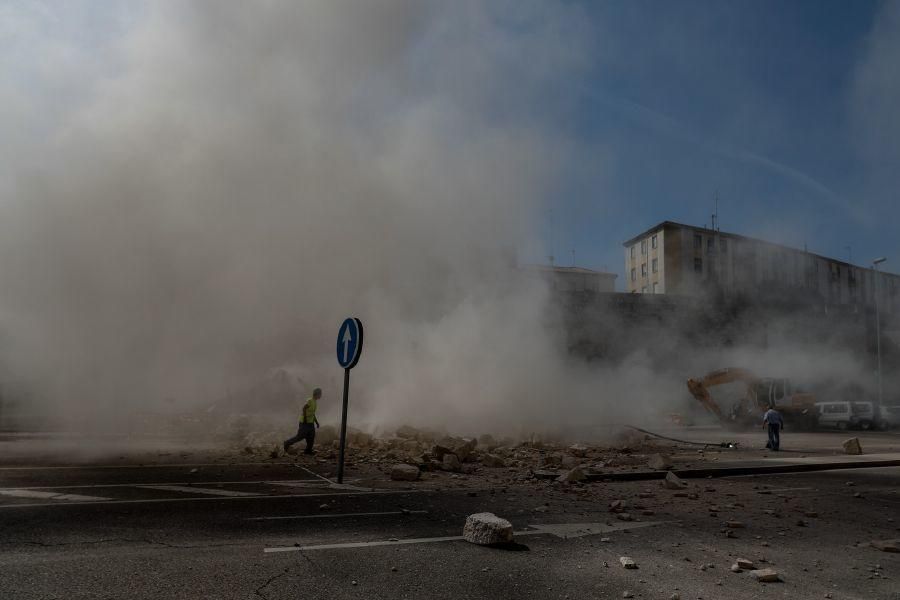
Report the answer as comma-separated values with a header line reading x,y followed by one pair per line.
x,y
797,407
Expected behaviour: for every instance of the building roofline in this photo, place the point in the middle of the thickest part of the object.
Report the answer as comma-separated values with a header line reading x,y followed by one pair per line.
x,y
561,269
738,236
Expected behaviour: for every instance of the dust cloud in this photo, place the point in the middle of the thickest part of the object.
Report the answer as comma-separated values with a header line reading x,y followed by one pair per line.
x,y
186,233
247,175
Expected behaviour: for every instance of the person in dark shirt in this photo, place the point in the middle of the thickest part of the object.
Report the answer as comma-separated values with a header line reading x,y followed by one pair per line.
x,y
774,423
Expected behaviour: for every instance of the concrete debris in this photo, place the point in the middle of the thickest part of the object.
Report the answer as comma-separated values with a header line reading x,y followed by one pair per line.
x,y
403,472
673,482
461,447
451,463
493,461
852,446
765,575
628,562
487,442
745,564
887,545
659,462
578,450
487,528
573,476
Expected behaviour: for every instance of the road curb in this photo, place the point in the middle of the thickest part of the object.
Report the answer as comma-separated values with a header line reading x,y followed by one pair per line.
x,y
748,470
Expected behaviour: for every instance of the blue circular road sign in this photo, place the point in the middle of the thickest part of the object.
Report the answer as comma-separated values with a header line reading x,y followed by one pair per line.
x,y
349,342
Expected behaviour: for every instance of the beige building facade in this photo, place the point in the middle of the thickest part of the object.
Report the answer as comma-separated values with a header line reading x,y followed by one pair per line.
x,y
672,258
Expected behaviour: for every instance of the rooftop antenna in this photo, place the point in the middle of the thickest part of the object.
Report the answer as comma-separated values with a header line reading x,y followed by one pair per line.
x,y
550,257
715,215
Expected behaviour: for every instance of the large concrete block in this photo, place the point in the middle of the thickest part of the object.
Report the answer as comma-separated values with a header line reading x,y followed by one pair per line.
x,y
487,528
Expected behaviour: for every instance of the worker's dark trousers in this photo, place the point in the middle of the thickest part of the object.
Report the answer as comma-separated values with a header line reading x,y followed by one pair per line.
x,y
774,438
306,431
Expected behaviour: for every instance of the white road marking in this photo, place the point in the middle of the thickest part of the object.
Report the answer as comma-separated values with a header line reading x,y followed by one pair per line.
x,y
196,490
106,502
321,485
799,489
297,482
327,516
21,493
162,466
563,530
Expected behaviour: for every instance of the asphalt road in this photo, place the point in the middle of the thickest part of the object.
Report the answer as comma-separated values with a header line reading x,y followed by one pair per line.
x,y
261,530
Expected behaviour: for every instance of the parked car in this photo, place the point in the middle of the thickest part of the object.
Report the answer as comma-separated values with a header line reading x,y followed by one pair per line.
x,y
887,417
846,415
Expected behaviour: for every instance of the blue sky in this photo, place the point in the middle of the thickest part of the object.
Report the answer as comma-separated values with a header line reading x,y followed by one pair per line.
x,y
760,102
785,110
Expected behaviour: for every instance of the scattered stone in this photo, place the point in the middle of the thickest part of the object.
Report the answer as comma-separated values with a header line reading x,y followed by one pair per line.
x,y
404,473
572,476
578,450
493,461
887,545
487,528
765,575
627,594
628,562
852,446
624,517
617,506
451,463
659,462
735,568
673,482
675,597
744,564
541,509
544,474
605,540
735,524
324,507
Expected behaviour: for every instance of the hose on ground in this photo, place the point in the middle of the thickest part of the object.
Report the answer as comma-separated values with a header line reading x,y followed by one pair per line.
x,y
671,439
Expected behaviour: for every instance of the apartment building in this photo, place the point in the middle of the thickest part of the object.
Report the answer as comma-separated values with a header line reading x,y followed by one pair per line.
x,y
575,279
672,258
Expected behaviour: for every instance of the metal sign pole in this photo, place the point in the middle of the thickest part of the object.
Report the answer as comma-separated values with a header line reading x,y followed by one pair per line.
x,y
340,473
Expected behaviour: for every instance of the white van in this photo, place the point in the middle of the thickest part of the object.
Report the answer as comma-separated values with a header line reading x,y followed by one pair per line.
x,y
845,415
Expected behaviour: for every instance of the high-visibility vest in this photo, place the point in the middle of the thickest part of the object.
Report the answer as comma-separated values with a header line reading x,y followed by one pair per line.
x,y
308,413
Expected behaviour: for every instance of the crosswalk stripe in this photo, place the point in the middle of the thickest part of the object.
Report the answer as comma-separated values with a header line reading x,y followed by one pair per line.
x,y
16,493
197,490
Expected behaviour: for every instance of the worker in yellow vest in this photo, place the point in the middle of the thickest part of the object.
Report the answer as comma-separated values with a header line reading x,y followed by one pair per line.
x,y
308,423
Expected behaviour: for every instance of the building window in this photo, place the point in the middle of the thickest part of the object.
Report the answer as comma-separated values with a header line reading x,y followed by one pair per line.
x,y
698,241
633,275
655,265
655,288
723,246
710,245
643,246
698,265
644,270
632,252
653,242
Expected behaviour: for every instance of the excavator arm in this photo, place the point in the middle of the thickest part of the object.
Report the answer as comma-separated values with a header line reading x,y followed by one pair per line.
x,y
699,388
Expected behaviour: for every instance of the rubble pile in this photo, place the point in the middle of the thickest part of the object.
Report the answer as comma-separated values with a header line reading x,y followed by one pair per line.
x,y
504,459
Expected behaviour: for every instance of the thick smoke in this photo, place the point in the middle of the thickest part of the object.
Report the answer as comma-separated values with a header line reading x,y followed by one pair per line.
x,y
250,174
236,178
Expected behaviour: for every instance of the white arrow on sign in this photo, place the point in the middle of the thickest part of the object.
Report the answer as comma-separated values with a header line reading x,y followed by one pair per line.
x,y
346,341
